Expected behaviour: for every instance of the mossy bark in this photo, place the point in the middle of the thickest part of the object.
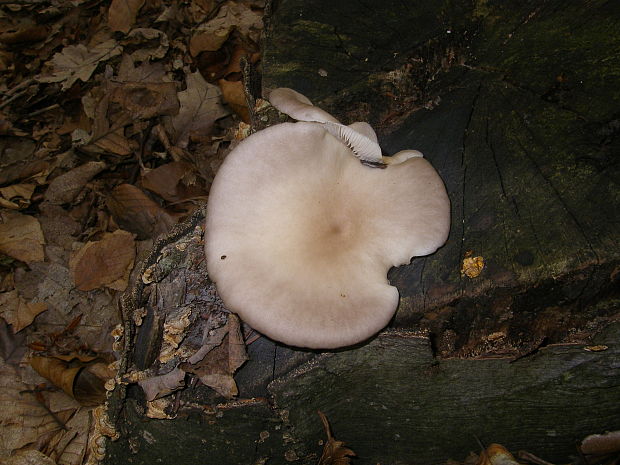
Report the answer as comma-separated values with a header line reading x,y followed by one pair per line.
x,y
516,105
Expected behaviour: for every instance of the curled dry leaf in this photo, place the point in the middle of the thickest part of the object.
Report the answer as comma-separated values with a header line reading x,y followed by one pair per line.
x,y
17,196
78,62
162,385
334,452
107,262
134,211
200,108
82,380
122,14
21,237
601,444
17,311
64,188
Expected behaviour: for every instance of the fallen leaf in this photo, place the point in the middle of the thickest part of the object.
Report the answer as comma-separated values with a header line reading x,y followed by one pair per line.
x,y
211,35
601,444
12,346
105,137
234,95
134,211
122,14
78,62
200,108
334,452
147,72
18,195
25,419
217,367
162,385
81,379
157,40
17,311
21,237
168,181
29,457
64,188
107,262
147,100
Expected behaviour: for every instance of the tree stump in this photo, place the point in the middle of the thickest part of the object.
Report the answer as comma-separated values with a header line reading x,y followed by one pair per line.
x,y
516,106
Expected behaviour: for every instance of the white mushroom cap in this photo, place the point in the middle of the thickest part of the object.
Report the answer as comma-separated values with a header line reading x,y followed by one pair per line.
x,y
300,235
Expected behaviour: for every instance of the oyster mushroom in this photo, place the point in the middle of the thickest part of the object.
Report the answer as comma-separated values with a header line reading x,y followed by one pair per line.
x,y
300,234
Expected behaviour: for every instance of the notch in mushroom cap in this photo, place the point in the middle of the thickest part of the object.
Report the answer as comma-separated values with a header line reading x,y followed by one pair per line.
x,y
300,235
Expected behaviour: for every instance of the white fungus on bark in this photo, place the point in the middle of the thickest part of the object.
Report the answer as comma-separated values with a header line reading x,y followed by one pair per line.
x,y
300,234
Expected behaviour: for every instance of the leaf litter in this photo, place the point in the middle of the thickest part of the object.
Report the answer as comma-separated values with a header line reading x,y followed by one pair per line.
x,y
112,126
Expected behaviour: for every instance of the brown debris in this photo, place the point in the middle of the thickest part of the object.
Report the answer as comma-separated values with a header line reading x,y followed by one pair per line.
x,y
107,262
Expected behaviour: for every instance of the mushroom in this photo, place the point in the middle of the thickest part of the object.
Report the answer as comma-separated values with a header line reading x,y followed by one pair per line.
x,y
300,235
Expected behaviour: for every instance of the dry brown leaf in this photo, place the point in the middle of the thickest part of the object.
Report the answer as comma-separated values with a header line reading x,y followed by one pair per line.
x,y
18,195
24,420
107,135
334,452
21,237
211,35
64,188
134,211
167,182
600,444
107,262
82,380
18,312
122,14
147,72
147,100
234,95
217,367
162,385
78,62
153,44
28,457
12,346
200,108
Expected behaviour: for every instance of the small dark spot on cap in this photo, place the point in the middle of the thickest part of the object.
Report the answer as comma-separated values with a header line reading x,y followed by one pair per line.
x,y
223,257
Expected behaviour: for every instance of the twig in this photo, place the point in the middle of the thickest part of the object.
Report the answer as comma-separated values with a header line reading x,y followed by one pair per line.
x,y
43,110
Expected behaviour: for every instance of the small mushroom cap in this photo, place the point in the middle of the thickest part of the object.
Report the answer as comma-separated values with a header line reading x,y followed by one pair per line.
x,y
298,106
300,235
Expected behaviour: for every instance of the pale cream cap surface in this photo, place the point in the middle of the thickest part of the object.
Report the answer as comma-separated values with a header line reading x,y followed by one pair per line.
x,y
300,235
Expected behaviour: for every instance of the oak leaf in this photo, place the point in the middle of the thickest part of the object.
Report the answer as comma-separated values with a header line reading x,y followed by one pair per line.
x,y
122,14
78,62
200,108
